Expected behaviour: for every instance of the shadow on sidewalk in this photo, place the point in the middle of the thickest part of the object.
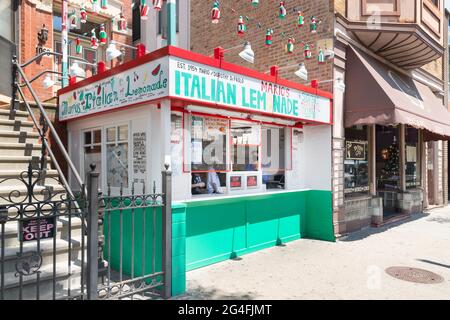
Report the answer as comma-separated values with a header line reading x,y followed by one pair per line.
x,y
201,293
367,232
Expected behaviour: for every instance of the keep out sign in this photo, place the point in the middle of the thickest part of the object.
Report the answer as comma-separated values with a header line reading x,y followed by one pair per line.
x,y
33,229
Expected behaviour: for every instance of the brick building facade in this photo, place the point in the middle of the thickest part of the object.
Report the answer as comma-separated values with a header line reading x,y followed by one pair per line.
x,y
205,36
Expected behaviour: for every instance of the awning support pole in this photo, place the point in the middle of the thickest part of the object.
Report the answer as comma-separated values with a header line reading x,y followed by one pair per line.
x,y
402,158
372,160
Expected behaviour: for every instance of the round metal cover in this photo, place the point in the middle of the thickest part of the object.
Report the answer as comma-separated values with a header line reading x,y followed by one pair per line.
x,y
414,275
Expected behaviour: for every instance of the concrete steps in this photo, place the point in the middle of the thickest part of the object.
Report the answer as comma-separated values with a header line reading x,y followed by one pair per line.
x,y
20,149
16,125
9,177
17,162
66,278
19,137
20,144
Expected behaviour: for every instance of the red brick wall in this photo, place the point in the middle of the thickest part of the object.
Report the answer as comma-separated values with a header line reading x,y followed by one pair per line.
x,y
32,20
205,35
122,38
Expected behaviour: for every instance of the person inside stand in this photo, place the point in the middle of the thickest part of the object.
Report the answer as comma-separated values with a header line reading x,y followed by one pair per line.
x,y
197,184
253,165
213,181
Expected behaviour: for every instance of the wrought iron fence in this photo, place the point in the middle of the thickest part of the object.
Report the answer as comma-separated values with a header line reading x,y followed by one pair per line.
x,y
47,252
134,244
42,239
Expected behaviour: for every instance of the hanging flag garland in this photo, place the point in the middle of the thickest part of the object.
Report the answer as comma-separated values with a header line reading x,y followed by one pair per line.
x,y
102,34
73,20
157,4
282,11
290,45
122,23
95,6
269,33
104,4
314,23
300,19
144,10
215,13
94,40
78,47
307,51
83,15
321,56
241,28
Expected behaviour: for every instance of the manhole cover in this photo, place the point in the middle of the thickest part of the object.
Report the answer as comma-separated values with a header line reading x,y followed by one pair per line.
x,y
414,275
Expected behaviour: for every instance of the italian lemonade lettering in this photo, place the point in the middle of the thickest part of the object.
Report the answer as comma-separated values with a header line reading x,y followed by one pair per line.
x,y
116,91
199,83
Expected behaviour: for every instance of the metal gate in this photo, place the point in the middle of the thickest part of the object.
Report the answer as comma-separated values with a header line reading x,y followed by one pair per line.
x,y
42,239
54,246
135,243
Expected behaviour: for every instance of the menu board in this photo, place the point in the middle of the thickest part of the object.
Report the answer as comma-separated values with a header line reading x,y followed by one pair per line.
x,y
214,127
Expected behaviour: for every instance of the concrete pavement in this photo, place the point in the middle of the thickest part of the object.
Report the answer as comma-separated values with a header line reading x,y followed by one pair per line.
x,y
352,268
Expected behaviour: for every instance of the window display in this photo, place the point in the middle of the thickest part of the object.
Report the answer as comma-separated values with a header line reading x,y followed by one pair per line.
x,y
209,144
117,156
273,157
388,158
412,156
227,156
356,164
245,146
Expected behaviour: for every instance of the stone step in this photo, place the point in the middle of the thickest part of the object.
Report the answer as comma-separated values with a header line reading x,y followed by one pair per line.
x,y
48,255
11,178
18,194
64,279
16,125
17,162
20,149
18,115
12,229
19,137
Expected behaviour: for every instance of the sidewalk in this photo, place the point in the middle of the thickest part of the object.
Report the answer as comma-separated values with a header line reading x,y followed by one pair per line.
x,y
351,268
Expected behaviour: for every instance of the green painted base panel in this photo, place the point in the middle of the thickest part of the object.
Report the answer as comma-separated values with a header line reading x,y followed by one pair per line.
x,y
221,229
211,231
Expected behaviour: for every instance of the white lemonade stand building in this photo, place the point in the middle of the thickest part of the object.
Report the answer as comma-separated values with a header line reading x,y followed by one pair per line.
x,y
250,154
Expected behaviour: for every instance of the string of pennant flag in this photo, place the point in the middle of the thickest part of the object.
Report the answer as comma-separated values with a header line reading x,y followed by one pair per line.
x,y
218,9
243,20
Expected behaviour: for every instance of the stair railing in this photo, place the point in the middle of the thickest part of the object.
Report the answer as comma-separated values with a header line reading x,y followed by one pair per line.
x,y
46,123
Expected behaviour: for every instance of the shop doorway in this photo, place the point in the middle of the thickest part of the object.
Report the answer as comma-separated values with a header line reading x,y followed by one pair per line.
x,y
388,167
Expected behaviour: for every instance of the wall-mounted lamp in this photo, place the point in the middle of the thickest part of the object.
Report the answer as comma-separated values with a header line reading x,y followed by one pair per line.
x,y
302,72
247,54
339,84
112,52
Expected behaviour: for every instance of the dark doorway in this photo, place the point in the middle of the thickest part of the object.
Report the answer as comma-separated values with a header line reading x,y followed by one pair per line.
x,y
388,167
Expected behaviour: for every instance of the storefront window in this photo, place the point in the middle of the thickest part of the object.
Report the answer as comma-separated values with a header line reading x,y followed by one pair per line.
x,y
117,156
412,157
209,154
273,157
92,146
388,158
356,163
245,146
